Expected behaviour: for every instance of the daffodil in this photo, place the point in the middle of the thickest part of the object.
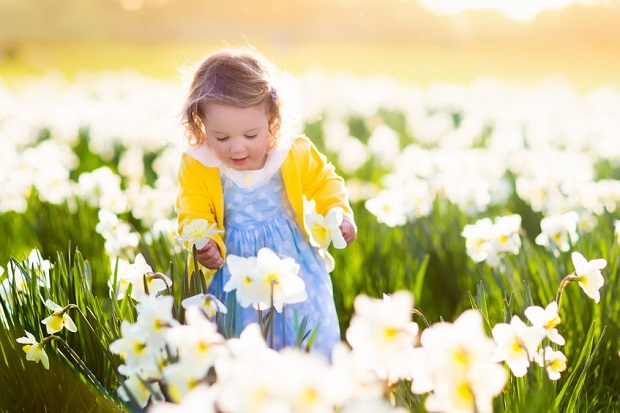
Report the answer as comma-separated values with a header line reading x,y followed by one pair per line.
x,y
517,344
477,238
456,364
208,303
132,346
559,231
553,361
200,398
588,275
243,279
198,343
140,392
278,281
382,334
547,318
388,207
265,279
140,273
155,318
197,232
325,230
59,319
34,350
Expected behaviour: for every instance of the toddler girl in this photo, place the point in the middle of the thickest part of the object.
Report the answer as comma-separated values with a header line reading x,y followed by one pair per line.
x,y
241,173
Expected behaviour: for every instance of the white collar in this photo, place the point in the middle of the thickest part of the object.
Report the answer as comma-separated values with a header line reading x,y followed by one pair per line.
x,y
245,179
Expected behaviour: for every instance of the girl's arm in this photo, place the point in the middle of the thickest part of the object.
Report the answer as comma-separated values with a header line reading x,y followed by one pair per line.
x,y
321,183
194,199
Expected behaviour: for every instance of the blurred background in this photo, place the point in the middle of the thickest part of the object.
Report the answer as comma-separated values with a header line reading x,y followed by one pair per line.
x,y
415,41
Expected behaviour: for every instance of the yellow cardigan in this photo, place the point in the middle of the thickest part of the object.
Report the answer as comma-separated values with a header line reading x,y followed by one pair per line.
x,y
305,172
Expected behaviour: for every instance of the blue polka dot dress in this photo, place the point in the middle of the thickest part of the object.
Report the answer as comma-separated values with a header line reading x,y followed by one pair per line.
x,y
258,217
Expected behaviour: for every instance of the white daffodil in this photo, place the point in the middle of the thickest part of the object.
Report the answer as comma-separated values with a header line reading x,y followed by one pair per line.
x,y
617,229
132,346
382,334
200,398
18,282
263,279
588,275
59,319
254,371
559,231
547,318
208,303
41,267
486,240
117,285
553,361
388,207
477,238
517,344
155,317
506,234
197,343
457,365
138,389
197,233
118,234
242,279
180,380
140,273
325,230
278,280
309,385
34,350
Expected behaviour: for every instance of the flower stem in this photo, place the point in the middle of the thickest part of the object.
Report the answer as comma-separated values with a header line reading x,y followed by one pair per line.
x,y
565,281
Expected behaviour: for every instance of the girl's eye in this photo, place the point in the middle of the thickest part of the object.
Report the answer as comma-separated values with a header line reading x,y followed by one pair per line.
x,y
222,139
251,136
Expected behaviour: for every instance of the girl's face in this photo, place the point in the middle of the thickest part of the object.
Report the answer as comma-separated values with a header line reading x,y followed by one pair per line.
x,y
239,137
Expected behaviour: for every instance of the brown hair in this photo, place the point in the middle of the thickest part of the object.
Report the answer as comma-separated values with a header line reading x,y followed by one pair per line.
x,y
236,77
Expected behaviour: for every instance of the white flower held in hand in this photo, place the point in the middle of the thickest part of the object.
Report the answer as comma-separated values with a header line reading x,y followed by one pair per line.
x,y
324,230
197,232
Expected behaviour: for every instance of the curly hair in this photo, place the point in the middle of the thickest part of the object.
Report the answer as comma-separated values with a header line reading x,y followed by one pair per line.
x,y
236,77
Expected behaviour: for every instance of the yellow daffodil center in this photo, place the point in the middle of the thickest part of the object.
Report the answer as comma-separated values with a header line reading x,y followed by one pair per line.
x,y
310,396
465,395
56,322
320,233
390,333
517,347
139,347
461,356
203,346
272,279
553,322
557,365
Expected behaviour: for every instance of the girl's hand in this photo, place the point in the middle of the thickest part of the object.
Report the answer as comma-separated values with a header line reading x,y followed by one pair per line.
x,y
348,231
210,256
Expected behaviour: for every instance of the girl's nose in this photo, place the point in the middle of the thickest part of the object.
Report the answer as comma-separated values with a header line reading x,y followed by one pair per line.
x,y
237,146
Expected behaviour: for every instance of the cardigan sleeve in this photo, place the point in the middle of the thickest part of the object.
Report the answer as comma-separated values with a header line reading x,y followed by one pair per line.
x,y
319,180
195,197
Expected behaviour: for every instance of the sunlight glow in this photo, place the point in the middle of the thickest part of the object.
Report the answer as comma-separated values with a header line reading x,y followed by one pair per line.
x,y
522,10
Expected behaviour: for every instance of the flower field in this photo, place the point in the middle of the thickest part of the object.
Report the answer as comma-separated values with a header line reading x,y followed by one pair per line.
x,y
484,277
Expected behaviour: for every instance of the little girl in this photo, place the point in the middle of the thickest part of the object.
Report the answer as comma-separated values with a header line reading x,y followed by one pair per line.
x,y
243,174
